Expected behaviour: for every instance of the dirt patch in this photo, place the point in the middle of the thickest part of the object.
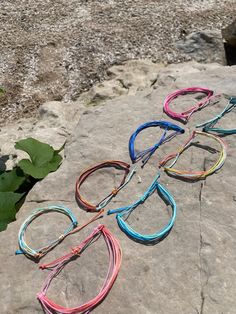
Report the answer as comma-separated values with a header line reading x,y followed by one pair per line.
x,y
54,50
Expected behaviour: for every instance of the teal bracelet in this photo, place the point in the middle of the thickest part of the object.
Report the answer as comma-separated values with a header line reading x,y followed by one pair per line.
x,y
208,126
124,212
38,253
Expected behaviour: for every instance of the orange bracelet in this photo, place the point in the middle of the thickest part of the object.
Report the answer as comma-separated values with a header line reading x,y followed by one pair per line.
x,y
110,163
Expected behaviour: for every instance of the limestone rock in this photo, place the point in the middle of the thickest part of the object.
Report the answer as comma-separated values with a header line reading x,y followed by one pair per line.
x,y
193,270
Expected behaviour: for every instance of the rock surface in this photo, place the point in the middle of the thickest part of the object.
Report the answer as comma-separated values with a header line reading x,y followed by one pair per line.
x,y
204,46
193,270
53,50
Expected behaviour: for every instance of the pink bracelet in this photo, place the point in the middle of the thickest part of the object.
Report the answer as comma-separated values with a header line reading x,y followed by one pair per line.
x,y
184,116
56,266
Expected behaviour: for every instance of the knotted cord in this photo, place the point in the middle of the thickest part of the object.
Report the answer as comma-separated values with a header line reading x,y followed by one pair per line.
x,y
195,175
56,266
146,154
185,115
124,212
36,254
208,126
110,163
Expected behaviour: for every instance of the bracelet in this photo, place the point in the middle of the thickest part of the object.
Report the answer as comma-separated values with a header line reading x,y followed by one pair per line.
x,y
195,175
110,163
56,266
36,254
147,153
185,116
124,212
209,125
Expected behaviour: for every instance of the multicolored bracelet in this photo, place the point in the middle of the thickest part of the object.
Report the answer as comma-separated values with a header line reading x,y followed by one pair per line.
x,y
185,116
110,163
147,153
195,175
36,254
56,266
124,212
209,125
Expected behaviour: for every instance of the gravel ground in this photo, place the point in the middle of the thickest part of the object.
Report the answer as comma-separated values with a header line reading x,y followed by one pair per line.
x,y
54,50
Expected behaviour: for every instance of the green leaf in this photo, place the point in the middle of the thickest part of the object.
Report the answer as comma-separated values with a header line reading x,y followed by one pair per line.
x,y
8,205
11,180
39,152
44,158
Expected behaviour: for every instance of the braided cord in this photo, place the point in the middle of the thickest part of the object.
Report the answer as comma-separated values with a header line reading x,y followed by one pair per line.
x,y
38,253
110,163
124,212
115,257
195,175
208,126
146,154
185,115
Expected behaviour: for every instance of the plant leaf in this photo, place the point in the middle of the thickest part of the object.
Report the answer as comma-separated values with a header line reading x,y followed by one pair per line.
x,y
39,152
44,158
11,180
40,172
8,204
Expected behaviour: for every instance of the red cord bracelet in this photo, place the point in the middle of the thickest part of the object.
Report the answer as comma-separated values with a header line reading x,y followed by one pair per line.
x,y
110,163
185,115
56,266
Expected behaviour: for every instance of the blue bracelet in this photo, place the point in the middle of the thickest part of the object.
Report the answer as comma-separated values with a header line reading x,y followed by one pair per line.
x,y
125,212
147,153
209,125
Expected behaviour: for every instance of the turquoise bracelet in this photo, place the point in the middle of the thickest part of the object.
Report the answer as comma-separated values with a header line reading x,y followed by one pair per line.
x,y
208,126
124,212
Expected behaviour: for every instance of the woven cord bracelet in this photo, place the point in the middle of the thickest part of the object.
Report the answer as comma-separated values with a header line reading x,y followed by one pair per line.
x,y
185,116
56,266
124,212
147,153
110,163
36,254
195,175
209,125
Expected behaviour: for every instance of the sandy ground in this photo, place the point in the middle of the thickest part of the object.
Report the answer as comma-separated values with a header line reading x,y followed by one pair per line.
x,y
53,50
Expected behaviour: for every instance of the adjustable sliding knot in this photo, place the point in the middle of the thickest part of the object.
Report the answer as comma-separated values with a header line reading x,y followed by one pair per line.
x,y
43,266
114,192
62,236
76,251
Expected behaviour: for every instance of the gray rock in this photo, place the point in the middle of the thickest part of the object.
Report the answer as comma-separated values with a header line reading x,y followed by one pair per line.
x,y
203,46
229,34
194,269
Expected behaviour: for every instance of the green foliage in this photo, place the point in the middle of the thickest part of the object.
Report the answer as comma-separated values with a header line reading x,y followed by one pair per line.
x,y
11,180
8,208
16,183
43,158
